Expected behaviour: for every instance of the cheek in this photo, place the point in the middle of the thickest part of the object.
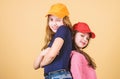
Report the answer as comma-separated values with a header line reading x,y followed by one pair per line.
x,y
50,23
59,23
77,40
87,42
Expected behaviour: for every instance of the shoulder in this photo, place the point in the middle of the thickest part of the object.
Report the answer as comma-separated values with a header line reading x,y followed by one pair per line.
x,y
63,32
77,57
63,28
76,54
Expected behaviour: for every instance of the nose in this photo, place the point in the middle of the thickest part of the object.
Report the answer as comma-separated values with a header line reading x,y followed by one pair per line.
x,y
54,23
85,39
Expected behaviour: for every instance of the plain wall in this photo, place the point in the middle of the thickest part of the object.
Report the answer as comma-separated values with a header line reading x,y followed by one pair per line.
x,y
22,31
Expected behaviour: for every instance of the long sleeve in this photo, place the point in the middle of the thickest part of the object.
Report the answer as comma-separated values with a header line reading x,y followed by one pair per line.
x,y
76,66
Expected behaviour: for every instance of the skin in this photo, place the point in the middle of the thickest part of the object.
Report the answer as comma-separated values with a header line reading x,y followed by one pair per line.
x,y
55,23
48,55
81,39
38,60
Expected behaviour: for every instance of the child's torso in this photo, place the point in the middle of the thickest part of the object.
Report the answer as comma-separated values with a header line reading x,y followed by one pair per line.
x,y
80,68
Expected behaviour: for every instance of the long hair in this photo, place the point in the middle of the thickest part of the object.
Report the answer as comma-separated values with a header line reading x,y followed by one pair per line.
x,y
91,63
50,33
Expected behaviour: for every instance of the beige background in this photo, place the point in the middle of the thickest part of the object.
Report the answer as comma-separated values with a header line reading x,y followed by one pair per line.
x,y
22,29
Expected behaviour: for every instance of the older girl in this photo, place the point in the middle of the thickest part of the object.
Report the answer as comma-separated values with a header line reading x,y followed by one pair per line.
x,y
56,54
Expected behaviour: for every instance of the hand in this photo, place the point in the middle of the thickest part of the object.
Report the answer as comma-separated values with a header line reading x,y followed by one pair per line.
x,y
43,53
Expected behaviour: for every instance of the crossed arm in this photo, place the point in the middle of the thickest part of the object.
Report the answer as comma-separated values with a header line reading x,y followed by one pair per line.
x,y
48,55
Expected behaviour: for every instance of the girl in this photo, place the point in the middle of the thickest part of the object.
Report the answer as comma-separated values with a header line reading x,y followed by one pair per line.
x,y
56,51
82,66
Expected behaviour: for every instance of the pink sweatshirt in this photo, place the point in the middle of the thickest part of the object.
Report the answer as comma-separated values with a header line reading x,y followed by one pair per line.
x,y
80,68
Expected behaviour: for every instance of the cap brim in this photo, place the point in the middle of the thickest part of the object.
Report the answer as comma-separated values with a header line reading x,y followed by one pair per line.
x,y
51,13
93,35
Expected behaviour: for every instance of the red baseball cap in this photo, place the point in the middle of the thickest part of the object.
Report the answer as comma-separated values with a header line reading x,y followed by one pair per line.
x,y
84,28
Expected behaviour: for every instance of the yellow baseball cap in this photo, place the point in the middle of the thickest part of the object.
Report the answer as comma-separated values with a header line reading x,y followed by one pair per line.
x,y
59,10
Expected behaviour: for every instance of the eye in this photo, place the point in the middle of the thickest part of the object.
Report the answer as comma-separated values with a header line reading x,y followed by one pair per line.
x,y
82,35
50,19
58,20
87,38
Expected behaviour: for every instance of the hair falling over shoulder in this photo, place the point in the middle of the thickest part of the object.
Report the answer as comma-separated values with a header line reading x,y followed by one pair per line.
x,y
48,36
50,33
67,22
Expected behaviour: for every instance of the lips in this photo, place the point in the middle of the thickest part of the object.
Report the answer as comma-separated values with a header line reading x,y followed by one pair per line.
x,y
83,43
55,27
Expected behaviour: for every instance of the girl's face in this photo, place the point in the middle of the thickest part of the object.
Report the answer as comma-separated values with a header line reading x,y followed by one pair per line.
x,y
55,22
81,39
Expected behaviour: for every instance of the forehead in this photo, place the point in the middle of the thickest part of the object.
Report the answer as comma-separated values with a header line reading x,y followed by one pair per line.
x,y
80,33
52,16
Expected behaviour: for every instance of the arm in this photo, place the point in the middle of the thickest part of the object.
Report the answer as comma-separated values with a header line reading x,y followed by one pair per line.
x,y
40,57
76,66
53,52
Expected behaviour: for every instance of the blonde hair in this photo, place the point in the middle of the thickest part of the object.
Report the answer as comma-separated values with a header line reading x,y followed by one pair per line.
x,y
50,33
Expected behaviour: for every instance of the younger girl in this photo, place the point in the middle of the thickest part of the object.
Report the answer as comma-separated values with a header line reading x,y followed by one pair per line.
x,y
82,66
56,51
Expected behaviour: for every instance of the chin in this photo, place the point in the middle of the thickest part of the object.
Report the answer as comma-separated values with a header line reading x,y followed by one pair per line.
x,y
54,31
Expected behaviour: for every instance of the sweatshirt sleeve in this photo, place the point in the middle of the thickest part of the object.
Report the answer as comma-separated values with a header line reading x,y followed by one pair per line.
x,y
76,66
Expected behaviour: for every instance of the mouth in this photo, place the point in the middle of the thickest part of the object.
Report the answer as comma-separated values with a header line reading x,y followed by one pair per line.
x,y
83,43
55,27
